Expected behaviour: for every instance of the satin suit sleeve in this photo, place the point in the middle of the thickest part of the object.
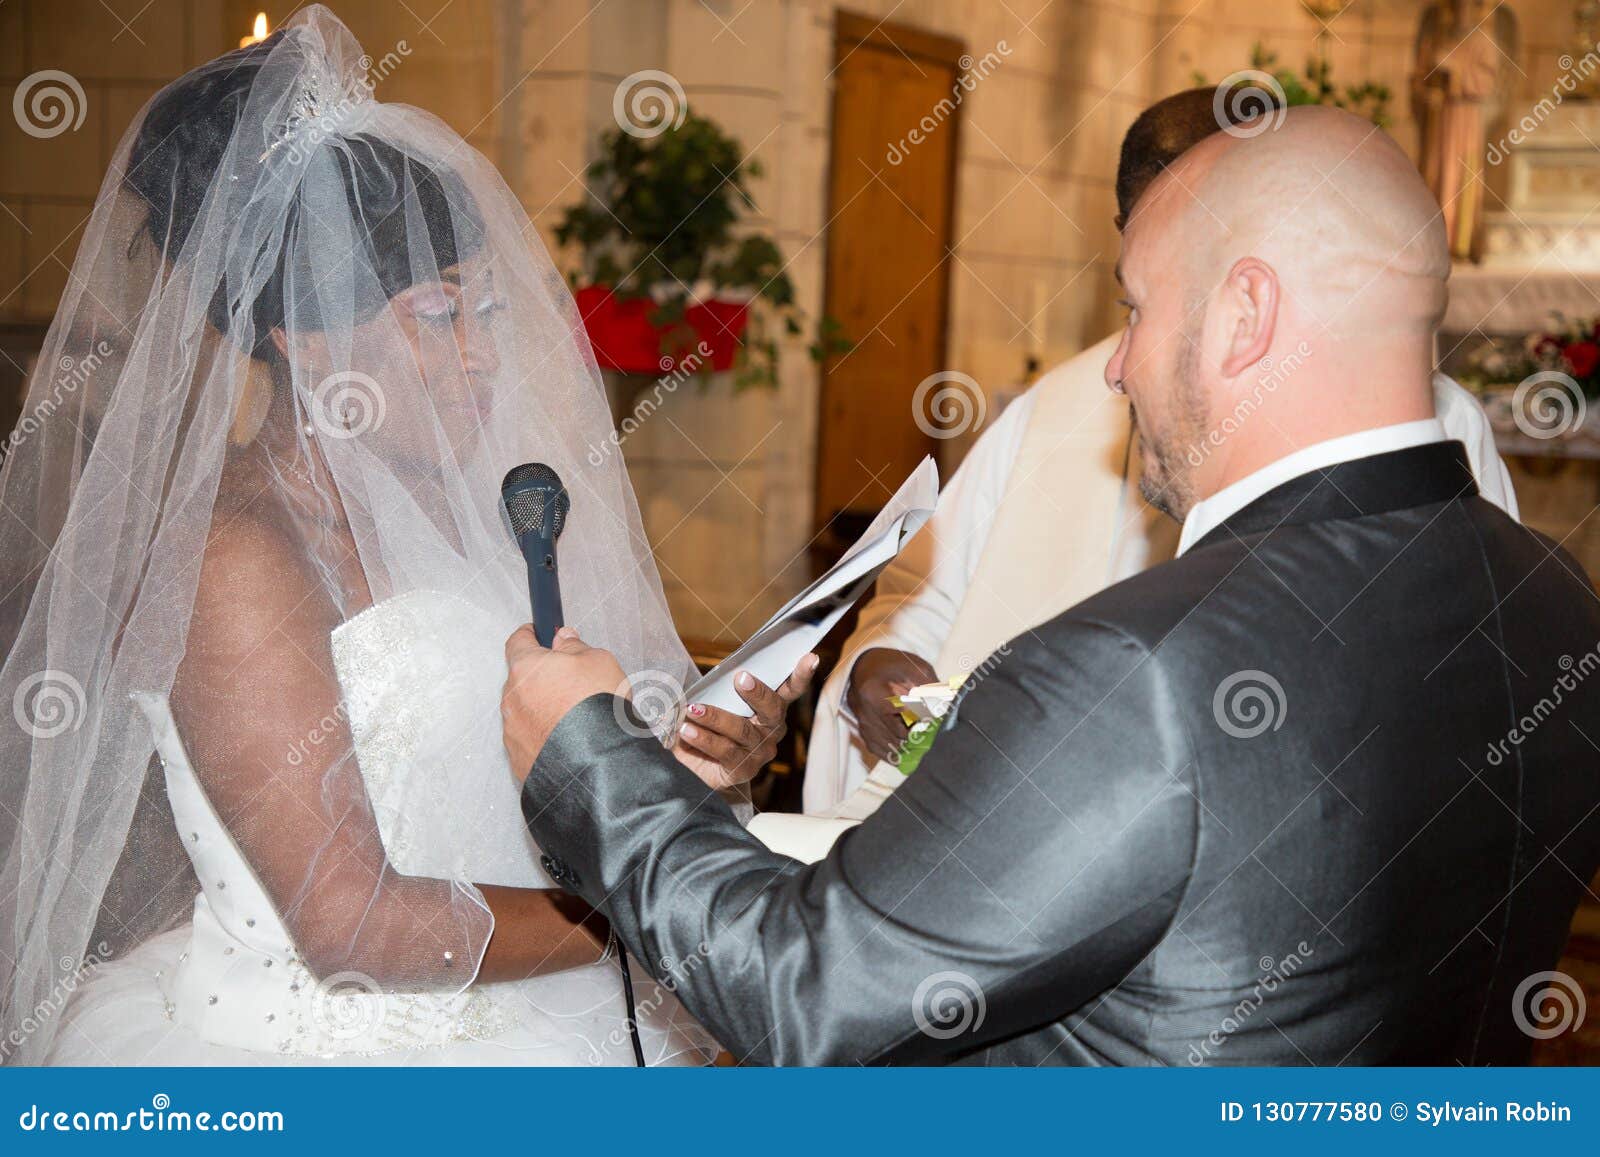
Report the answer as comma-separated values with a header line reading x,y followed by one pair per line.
x,y
1034,859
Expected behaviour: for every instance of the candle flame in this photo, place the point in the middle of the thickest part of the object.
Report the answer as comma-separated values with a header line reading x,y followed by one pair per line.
x,y
258,32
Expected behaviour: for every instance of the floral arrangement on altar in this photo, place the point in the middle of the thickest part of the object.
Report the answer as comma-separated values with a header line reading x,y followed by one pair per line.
x,y
1570,347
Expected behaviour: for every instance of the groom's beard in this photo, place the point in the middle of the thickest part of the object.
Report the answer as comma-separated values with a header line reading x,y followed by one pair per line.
x,y
1165,480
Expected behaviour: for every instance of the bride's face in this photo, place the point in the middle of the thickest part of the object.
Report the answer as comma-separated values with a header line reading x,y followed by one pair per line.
x,y
452,341
424,397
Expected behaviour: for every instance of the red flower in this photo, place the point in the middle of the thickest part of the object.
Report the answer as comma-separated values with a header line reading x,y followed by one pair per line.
x,y
1582,356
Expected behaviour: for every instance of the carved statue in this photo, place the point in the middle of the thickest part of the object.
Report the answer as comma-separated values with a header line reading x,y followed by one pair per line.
x,y
1465,68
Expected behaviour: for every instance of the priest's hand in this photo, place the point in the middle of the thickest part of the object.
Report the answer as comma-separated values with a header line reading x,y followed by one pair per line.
x,y
881,672
725,749
543,685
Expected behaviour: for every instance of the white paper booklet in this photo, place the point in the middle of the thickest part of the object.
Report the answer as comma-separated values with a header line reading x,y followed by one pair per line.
x,y
771,653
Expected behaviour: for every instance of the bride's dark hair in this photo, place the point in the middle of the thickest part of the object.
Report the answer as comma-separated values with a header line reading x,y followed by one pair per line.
x,y
183,143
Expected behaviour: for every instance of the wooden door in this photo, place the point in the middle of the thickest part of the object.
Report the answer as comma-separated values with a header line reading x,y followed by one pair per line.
x,y
891,192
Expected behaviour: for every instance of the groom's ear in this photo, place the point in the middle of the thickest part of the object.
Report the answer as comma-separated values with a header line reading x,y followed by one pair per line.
x,y
1249,298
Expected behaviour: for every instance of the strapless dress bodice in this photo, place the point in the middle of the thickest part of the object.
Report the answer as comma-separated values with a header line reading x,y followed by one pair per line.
x,y
420,677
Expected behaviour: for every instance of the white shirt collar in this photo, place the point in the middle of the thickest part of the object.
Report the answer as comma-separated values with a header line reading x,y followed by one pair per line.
x,y
1210,513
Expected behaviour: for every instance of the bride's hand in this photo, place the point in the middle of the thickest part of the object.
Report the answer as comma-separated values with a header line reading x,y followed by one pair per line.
x,y
725,749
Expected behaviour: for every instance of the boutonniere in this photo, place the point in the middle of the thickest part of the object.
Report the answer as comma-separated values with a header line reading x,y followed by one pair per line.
x,y
924,709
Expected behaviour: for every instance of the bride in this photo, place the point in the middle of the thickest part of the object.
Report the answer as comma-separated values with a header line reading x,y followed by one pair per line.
x,y
257,808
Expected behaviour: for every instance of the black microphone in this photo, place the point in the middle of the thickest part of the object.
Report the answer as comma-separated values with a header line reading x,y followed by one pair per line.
x,y
536,503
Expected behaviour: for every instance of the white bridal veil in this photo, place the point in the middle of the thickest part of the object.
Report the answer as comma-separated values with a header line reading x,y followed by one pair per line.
x,y
306,334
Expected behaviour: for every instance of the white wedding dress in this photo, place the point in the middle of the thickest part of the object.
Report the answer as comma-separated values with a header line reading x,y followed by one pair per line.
x,y
421,676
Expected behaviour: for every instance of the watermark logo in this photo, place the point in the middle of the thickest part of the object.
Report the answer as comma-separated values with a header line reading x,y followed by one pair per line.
x,y
972,71
49,103
1573,673
74,972
1548,1004
1249,703
49,703
74,373
1575,80
681,370
347,1005
948,1004
1273,974
1270,375
1547,404
348,404
648,103
1252,97
948,404
647,704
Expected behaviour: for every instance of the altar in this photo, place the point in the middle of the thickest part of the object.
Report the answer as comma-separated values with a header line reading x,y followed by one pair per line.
x,y
1532,288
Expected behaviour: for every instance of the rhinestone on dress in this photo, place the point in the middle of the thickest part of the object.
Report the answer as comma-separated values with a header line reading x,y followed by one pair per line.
x,y
211,1000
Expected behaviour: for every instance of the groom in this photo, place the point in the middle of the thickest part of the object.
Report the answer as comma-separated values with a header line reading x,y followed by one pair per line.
x,y
1322,789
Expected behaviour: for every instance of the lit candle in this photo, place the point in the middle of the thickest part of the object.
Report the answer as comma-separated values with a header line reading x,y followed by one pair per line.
x,y
257,34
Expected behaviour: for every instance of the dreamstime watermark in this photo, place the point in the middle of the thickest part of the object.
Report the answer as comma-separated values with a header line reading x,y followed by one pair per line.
x,y
348,404
303,138
49,703
1248,103
647,703
73,373
972,71
644,406
948,1004
948,404
1249,703
49,103
1574,673
648,103
75,972
1548,404
347,1005
1548,1004
1273,974
1573,72
160,1117
670,974
319,733
1272,375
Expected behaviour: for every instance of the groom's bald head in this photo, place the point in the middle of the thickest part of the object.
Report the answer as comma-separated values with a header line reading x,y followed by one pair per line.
x,y
1284,279
1329,201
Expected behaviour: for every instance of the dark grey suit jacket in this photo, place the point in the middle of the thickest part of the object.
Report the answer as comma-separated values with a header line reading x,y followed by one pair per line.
x,y
1324,789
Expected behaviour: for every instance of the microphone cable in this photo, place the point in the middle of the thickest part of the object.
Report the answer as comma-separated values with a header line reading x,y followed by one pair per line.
x,y
627,999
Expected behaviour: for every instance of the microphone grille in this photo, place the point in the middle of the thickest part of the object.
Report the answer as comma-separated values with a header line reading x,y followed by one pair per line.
x,y
526,494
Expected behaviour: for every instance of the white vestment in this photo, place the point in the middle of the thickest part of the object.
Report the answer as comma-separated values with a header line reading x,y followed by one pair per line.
x,y
1044,512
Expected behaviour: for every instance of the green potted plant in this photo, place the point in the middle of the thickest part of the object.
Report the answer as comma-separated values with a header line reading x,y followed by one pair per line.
x,y
666,271
1367,99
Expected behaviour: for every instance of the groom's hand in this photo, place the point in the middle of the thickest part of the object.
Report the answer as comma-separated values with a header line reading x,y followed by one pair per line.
x,y
543,685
